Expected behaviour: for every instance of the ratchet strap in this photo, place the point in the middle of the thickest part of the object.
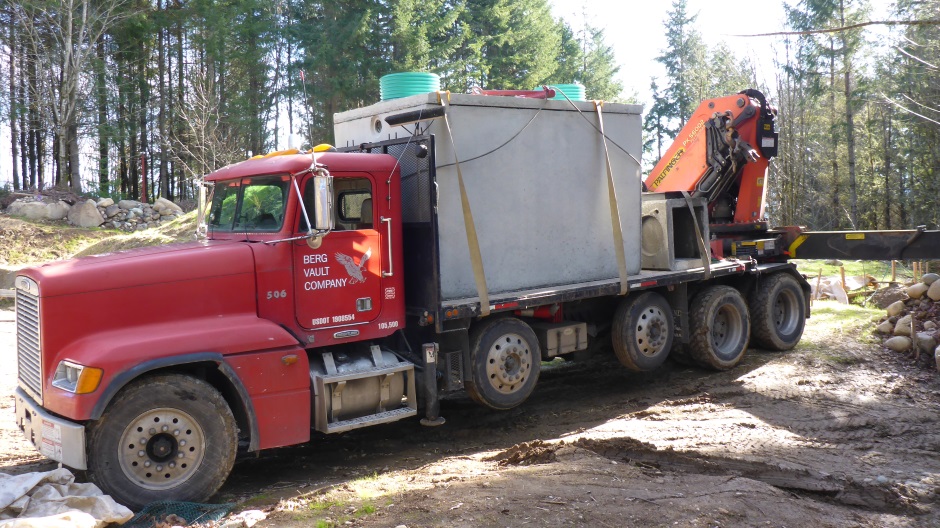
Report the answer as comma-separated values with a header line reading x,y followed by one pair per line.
x,y
699,238
614,209
476,259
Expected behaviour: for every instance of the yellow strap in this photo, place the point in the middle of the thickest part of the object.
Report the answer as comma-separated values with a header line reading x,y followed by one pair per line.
x,y
476,259
614,210
700,238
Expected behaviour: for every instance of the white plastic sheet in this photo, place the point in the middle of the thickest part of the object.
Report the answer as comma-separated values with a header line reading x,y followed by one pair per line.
x,y
53,499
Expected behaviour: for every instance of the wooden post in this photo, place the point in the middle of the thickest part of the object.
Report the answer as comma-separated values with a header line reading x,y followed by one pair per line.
x,y
842,275
818,281
894,271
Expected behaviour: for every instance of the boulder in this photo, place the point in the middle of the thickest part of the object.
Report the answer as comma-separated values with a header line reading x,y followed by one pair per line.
x,y
930,278
886,328
934,291
924,342
128,204
86,215
111,210
168,205
917,291
833,262
886,296
930,325
29,209
58,210
899,344
903,326
895,308
105,202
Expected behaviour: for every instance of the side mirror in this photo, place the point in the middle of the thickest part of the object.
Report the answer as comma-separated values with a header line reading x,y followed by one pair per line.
x,y
322,208
323,200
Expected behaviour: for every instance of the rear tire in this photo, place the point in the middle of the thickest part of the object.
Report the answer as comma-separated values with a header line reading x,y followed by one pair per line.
x,y
504,363
642,331
778,312
721,328
166,437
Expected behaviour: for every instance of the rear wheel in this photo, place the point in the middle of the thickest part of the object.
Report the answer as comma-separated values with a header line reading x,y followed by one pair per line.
x,y
778,312
504,362
721,328
642,331
167,437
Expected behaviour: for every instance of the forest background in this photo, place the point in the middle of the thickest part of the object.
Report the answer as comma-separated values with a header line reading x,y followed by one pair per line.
x,y
135,98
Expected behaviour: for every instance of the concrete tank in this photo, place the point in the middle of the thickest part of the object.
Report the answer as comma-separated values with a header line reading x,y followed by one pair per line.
x,y
536,177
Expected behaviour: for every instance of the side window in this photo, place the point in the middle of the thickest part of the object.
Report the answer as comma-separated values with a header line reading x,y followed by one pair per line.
x,y
355,207
352,198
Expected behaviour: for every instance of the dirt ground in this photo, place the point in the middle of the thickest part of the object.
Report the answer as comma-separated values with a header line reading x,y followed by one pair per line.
x,y
835,433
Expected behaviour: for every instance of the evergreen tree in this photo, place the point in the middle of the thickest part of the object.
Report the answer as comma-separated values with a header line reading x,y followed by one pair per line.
x,y
587,58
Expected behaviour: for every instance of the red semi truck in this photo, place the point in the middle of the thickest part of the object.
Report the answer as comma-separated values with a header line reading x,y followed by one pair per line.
x,y
455,244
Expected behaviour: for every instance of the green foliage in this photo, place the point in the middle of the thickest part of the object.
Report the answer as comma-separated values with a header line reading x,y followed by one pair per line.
x,y
587,59
693,73
177,88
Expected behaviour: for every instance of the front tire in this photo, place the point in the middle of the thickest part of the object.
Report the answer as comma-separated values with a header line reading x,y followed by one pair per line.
x,y
504,363
721,328
166,437
778,312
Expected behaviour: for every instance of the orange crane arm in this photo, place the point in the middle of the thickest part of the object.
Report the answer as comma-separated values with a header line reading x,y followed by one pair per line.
x,y
722,154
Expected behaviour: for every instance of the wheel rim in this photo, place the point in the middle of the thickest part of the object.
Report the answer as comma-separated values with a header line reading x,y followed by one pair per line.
x,y
508,363
786,313
727,329
161,448
651,331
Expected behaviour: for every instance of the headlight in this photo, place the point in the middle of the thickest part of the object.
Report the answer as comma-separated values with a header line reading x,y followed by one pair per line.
x,y
76,378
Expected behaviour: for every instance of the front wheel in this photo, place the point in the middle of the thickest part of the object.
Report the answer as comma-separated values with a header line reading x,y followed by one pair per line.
x,y
778,312
166,437
721,328
504,363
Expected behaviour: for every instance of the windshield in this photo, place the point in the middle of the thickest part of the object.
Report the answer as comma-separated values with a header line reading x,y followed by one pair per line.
x,y
249,205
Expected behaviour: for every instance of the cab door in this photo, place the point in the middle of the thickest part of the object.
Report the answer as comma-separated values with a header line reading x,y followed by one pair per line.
x,y
338,284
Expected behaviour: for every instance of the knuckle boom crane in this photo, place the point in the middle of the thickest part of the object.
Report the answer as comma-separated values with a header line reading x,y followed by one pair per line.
x,y
722,154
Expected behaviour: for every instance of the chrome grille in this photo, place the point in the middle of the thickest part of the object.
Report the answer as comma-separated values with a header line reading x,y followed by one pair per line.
x,y
28,346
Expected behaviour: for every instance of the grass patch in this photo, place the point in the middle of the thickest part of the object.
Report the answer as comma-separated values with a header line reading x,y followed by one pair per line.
x,y
24,242
323,506
261,499
831,321
879,269
178,230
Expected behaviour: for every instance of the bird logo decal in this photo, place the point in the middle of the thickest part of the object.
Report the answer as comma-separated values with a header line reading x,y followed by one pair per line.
x,y
354,270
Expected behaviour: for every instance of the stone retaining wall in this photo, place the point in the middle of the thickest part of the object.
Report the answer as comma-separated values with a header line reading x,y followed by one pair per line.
x,y
126,215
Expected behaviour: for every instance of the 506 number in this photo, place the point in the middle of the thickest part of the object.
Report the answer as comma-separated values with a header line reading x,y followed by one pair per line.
x,y
277,294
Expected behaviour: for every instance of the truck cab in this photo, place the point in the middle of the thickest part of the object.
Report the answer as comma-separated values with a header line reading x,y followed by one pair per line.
x,y
272,327
327,287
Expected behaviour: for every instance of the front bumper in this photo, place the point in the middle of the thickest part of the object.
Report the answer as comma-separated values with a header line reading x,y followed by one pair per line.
x,y
56,438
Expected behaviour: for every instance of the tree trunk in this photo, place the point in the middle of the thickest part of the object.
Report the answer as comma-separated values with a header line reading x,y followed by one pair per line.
x,y
103,139
835,199
161,118
14,104
142,125
75,179
849,119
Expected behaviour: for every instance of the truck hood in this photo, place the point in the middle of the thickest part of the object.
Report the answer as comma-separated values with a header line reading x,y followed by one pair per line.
x,y
159,265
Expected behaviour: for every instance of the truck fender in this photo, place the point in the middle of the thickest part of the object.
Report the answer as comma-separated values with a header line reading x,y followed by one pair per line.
x,y
122,379
227,344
